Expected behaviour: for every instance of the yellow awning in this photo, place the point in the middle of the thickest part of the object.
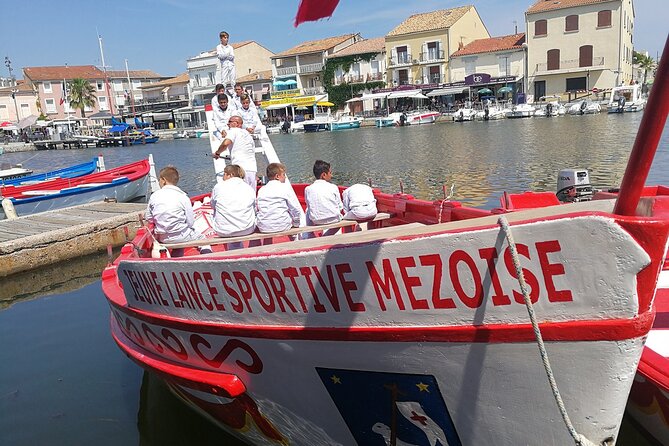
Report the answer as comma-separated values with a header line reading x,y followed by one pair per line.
x,y
325,104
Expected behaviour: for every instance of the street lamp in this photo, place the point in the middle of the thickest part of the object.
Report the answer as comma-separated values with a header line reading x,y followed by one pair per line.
x,y
12,80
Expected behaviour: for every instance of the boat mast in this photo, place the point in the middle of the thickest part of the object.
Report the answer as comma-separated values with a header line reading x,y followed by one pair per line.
x,y
104,69
132,95
647,140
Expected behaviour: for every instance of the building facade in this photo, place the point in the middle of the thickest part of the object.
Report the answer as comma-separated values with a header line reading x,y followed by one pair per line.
x,y
496,64
17,101
369,62
419,48
205,69
127,86
579,45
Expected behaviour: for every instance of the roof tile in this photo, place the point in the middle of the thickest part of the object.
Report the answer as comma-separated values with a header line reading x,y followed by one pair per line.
x,y
549,5
513,41
63,72
429,21
133,74
314,46
376,45
256,76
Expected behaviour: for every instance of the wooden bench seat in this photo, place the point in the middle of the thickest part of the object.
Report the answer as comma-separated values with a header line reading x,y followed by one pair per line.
x,y
263,235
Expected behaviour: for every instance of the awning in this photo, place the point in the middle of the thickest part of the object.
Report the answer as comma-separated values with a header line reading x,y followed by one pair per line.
x,y
354,100
403,94
445,91
374,95
278,106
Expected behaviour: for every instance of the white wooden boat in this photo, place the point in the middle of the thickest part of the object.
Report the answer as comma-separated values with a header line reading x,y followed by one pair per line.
x,y
14,173
520,111
584,107
422,117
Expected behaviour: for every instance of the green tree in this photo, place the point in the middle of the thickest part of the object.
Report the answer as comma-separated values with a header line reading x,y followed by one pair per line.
x,y
644,62
81,94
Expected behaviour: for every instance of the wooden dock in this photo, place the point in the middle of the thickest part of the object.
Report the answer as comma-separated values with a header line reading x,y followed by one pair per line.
x,y
46,238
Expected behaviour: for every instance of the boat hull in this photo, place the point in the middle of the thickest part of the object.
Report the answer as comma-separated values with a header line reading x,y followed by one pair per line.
x,y
316,127
321,344
344,125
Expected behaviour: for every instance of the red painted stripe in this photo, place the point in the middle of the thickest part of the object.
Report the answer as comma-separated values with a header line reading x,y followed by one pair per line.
x,y
217,383
588,330
655,368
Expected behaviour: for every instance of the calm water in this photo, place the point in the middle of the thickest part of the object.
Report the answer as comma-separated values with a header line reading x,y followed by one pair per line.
x,y
64,382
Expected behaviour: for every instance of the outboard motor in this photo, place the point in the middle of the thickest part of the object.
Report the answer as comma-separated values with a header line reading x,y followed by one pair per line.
x,y
574,185
582,108
621,104
486,113
549,110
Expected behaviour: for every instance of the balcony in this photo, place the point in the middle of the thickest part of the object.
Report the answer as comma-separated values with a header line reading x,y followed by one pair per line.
x,y
311,68
285,71
431,79
313,90
432,56
400,59
374,77
570,66
356,79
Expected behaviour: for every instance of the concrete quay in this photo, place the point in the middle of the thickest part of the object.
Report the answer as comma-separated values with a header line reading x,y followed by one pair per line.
x,y
38,240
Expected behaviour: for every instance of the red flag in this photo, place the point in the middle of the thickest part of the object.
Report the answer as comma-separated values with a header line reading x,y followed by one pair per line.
x,y
311,10
63,96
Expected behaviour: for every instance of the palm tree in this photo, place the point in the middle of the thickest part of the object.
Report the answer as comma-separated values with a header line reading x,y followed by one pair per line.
x,y
645,62
81,94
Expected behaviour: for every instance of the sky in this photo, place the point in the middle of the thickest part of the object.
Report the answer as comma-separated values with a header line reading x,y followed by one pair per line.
x,y
160,35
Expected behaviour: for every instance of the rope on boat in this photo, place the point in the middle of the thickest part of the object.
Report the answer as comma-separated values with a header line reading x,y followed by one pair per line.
x,y
579,439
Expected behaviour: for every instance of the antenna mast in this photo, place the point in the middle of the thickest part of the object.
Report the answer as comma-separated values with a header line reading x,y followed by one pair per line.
x,y
104,69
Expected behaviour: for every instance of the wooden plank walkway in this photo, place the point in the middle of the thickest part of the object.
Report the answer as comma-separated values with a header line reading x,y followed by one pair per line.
x,y
37,240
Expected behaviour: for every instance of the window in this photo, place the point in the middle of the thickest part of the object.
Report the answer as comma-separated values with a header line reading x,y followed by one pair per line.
x,y
4,114
136,84
118,85
100,86
576,84
585,56
47,87
470,65
403,77
25,110
540,28
50,105
433,51
604,18
553,59
197,81
503,62
571,23
435,75
102,103
402,55
212,81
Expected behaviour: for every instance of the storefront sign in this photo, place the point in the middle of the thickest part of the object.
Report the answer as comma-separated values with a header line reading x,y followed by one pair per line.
x,y
477,78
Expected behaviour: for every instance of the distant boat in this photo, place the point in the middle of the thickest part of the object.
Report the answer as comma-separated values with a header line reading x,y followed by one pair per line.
x,y
13,173
143,137
123,184
67,172
626,98
346,122
422,117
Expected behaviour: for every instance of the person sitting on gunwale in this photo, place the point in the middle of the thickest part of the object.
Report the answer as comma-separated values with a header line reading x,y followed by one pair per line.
x,y
171,212
277,207
323,201
233,202
359,202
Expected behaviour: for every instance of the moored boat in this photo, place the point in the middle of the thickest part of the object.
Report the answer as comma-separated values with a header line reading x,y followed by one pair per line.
x,y
74,171
14,173
123,184
520,111
584,107
346,122
422,117
626,98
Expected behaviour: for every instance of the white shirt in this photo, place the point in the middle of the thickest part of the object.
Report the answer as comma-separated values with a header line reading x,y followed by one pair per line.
x,y
221,119
323,203
225,54
242,149
233,202
359,202
250,117
171,213
277,207
236,103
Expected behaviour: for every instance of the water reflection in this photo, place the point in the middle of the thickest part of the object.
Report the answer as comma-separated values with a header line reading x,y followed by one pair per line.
x,y
60,278
164,420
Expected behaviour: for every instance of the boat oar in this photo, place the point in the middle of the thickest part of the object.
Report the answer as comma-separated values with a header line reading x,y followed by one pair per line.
x,y
647,140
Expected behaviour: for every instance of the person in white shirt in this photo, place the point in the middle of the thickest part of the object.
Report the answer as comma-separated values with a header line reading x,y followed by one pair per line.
x,y
218,89
359,202
236,98
249,115
242,149
171,212
226,56
323,201
233,202
222,114
277,206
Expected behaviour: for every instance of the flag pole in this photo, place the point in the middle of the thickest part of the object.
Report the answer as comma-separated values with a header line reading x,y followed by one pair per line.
x,y
66,105
104,69
647,140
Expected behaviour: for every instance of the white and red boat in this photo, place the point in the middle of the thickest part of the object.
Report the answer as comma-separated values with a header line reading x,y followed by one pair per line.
x,y
422,117
123,184
417,331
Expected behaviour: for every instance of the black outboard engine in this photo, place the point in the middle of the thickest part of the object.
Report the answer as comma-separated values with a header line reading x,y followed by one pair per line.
x,y
583,105
549,110
574,185
621,104
403,119
486,113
